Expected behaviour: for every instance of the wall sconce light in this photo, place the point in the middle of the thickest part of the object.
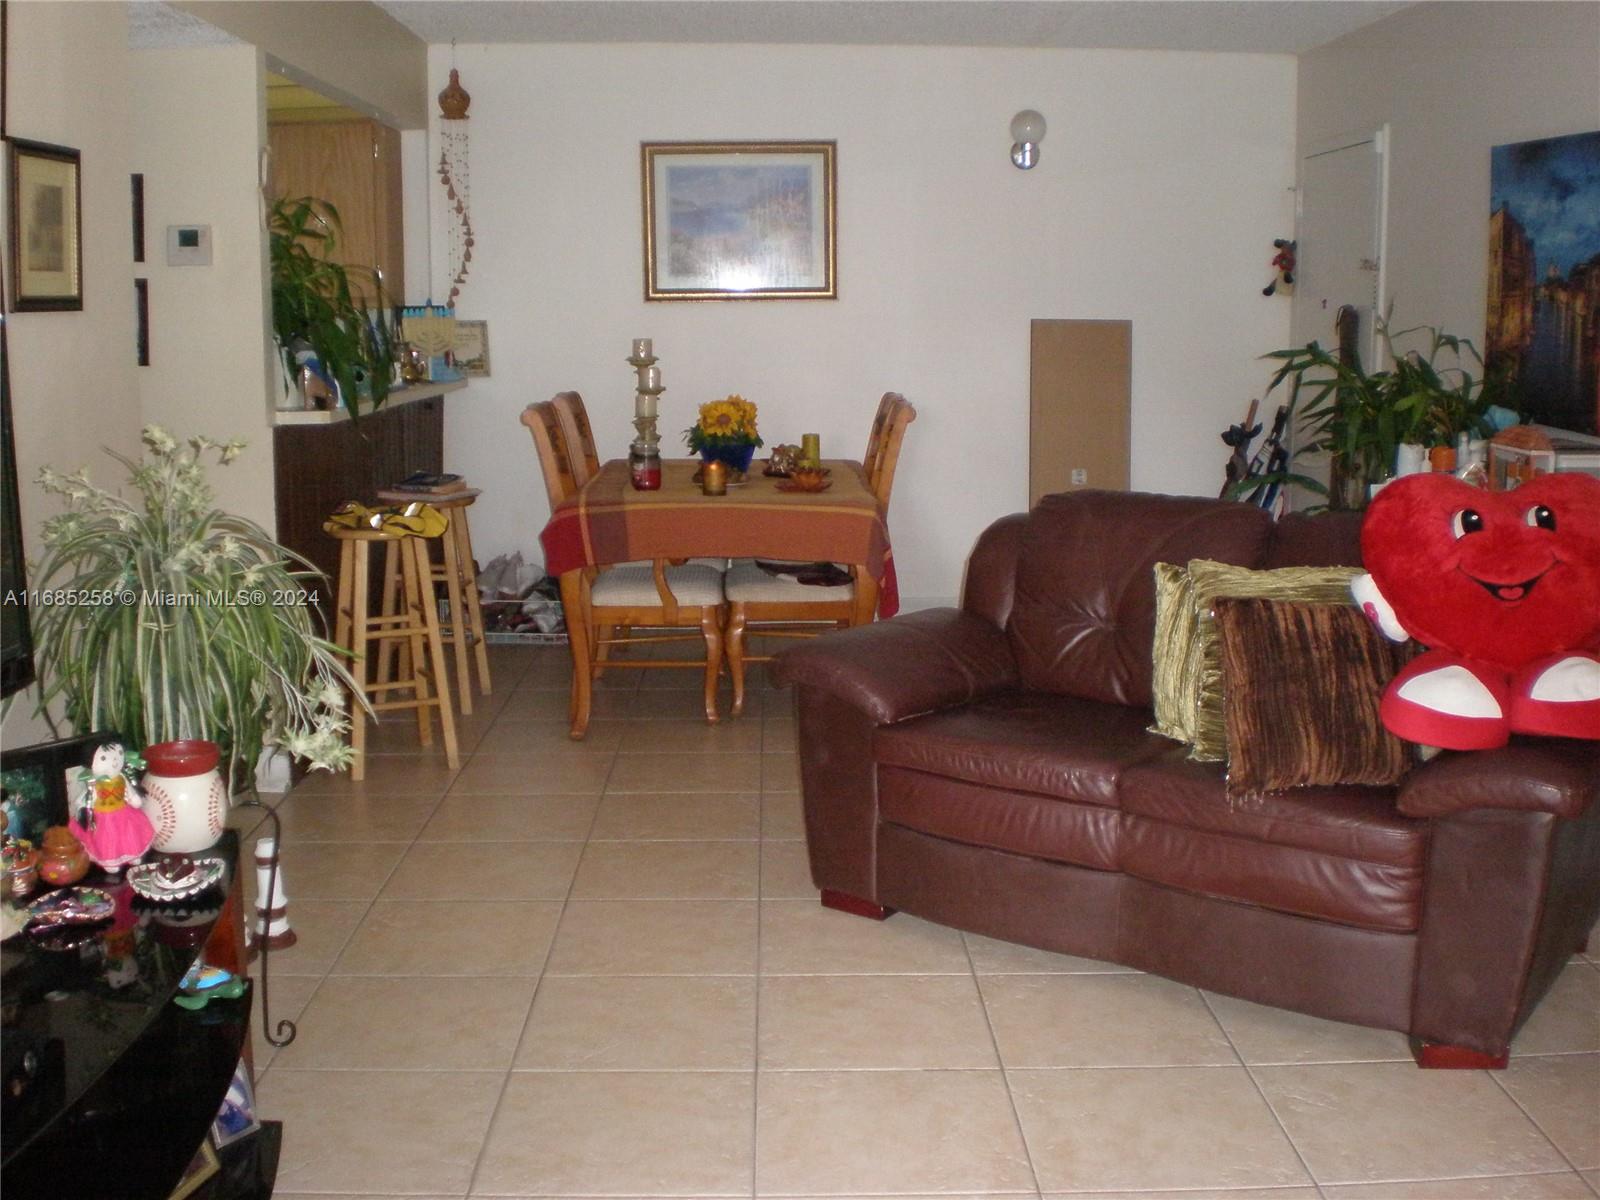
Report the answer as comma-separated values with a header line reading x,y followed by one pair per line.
x,y
1027,131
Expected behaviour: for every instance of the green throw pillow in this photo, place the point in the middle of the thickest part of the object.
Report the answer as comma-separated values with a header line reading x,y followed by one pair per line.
x,y
1212,581
1172,685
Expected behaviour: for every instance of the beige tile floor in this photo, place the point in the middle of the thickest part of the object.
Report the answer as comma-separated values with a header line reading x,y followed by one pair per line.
x,y
600,969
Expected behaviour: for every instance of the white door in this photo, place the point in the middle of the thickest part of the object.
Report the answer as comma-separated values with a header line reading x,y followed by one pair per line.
x,y
1340,240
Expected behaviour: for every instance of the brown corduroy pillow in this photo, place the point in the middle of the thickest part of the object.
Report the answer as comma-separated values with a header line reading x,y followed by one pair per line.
x,y
1301,689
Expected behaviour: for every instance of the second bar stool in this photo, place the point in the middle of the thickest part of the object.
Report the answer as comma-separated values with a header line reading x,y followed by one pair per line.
x,y
459,574
414,623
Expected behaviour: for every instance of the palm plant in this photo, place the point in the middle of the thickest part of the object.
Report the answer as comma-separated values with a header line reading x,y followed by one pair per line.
x,y
171,619
317,304
1360,418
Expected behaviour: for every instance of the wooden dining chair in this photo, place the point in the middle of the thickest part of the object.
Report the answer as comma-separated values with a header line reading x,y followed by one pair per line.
x,y
580,435
632,596
763,603
875,436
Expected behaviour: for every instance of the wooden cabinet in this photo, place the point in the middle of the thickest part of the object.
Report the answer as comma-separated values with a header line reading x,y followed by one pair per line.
x,y
355,165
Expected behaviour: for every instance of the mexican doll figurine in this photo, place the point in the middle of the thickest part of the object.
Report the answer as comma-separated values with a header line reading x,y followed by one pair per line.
x,y
110,820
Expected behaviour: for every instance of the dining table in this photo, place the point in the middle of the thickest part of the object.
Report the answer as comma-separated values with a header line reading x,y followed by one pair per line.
x,y
763,517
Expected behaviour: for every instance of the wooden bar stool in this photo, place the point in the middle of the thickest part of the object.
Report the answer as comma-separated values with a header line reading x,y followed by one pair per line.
x,y
414,623
459,574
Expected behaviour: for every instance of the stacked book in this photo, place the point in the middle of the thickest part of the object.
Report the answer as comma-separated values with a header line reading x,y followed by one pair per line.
x,y
427,484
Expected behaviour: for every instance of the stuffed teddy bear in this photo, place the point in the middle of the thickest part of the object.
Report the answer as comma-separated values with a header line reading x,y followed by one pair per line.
x,y
1504,589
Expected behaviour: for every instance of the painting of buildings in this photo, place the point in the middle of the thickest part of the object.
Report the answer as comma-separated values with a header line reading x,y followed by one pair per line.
x,y
1543,325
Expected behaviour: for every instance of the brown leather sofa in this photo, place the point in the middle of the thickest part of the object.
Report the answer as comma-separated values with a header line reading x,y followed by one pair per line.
x,y
989,768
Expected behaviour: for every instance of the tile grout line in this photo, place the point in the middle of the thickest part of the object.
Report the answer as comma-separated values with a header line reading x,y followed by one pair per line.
x,y
1494,1077
510,1070
1255,1083
1005,1073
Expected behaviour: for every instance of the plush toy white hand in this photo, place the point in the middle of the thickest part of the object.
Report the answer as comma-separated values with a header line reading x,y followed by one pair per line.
x,y
1379,611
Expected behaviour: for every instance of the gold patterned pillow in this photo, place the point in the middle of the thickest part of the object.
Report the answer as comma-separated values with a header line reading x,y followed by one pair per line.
x,y
1210,582
1172,687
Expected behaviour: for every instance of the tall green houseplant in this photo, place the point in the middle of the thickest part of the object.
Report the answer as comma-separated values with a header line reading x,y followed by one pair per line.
x,y
1359,418
318,303
173,619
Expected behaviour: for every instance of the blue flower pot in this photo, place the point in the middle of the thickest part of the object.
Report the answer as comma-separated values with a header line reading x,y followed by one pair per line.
x,y
737,458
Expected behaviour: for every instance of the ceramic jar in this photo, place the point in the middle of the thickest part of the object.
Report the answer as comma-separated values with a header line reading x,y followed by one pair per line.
x,y
62,859
184,795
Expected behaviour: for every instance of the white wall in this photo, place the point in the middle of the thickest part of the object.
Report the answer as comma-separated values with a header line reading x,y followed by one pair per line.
x,y
1164,179
210,366
72,373
1453,80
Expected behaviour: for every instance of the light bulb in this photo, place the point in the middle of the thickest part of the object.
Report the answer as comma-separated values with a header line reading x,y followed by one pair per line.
x,y
1027,131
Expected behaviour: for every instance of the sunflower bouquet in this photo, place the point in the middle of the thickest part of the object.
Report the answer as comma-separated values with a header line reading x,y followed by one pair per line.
x,y
724,424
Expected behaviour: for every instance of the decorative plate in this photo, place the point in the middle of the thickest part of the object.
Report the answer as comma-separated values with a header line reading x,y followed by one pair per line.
x,y
791,485
71,906
165,880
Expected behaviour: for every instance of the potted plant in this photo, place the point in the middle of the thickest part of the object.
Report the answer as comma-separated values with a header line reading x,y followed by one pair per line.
x,y
1360,419
173,620
317,304
726,430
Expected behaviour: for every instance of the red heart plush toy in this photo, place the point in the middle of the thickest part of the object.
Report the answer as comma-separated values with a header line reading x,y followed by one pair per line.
x,y
1504,588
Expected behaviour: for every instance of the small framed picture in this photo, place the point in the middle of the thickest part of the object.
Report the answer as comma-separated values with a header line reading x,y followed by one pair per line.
x,y
46,228
202,1167
471,347
39,785
237,1117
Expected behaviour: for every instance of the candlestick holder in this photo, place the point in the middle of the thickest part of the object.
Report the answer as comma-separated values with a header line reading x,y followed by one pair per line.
x,y
643,362
646,427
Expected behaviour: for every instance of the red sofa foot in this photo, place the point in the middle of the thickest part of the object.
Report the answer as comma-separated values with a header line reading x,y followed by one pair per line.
x,y
1437,1056
855,905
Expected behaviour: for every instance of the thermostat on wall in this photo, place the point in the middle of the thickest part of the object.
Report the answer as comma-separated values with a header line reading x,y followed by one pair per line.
x,y
188,245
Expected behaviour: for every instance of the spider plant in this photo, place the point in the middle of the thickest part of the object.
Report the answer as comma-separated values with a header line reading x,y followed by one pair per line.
x,y
317,302
171,619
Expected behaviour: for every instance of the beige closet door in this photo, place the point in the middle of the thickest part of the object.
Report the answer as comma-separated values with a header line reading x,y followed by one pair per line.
x,y
1080,388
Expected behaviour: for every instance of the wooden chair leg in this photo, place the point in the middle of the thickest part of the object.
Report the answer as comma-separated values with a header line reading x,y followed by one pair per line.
x,y
391,597
458,616
578,642
441,684
735,647
603,634
358,653
473,613
415,587
711,628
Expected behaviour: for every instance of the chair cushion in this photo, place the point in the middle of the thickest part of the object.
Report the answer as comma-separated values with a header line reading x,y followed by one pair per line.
x,y
1033,742
1341,854
634,585
748,583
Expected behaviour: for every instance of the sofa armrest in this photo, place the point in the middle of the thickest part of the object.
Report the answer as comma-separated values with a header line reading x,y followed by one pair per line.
x,y
1551,775
913,664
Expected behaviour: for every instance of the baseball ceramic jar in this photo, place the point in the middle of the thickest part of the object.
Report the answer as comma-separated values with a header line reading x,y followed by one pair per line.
x,y
184,795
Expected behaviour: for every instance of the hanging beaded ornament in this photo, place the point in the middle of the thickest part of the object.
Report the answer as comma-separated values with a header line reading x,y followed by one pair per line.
x,y
454,175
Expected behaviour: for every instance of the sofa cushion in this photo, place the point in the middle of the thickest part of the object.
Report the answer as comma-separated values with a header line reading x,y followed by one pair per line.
x,y
1211,581
980,815
1327,665
1083,613
1030,742
1339,854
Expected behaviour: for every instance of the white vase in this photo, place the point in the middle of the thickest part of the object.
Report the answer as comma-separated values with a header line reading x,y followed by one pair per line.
x,y
184,795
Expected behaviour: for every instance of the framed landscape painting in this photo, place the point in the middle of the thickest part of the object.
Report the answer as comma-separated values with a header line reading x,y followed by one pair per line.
x,y
739,220
1543,326
45,228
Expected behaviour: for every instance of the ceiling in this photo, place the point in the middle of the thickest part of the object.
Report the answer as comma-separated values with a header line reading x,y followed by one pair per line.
x,y
1260,26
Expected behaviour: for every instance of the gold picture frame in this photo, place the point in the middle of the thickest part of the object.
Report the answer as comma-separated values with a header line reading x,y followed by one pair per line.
x,y
45,227
740,220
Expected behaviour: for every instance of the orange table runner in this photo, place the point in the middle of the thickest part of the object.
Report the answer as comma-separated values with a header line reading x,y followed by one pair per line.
x,y
609,522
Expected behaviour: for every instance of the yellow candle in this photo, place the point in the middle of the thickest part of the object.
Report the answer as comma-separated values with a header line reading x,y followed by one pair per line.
x,y
714,478
811,449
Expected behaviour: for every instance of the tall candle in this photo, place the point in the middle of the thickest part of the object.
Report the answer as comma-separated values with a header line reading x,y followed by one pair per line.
x,y
650,377
811,449
644,405
641,347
